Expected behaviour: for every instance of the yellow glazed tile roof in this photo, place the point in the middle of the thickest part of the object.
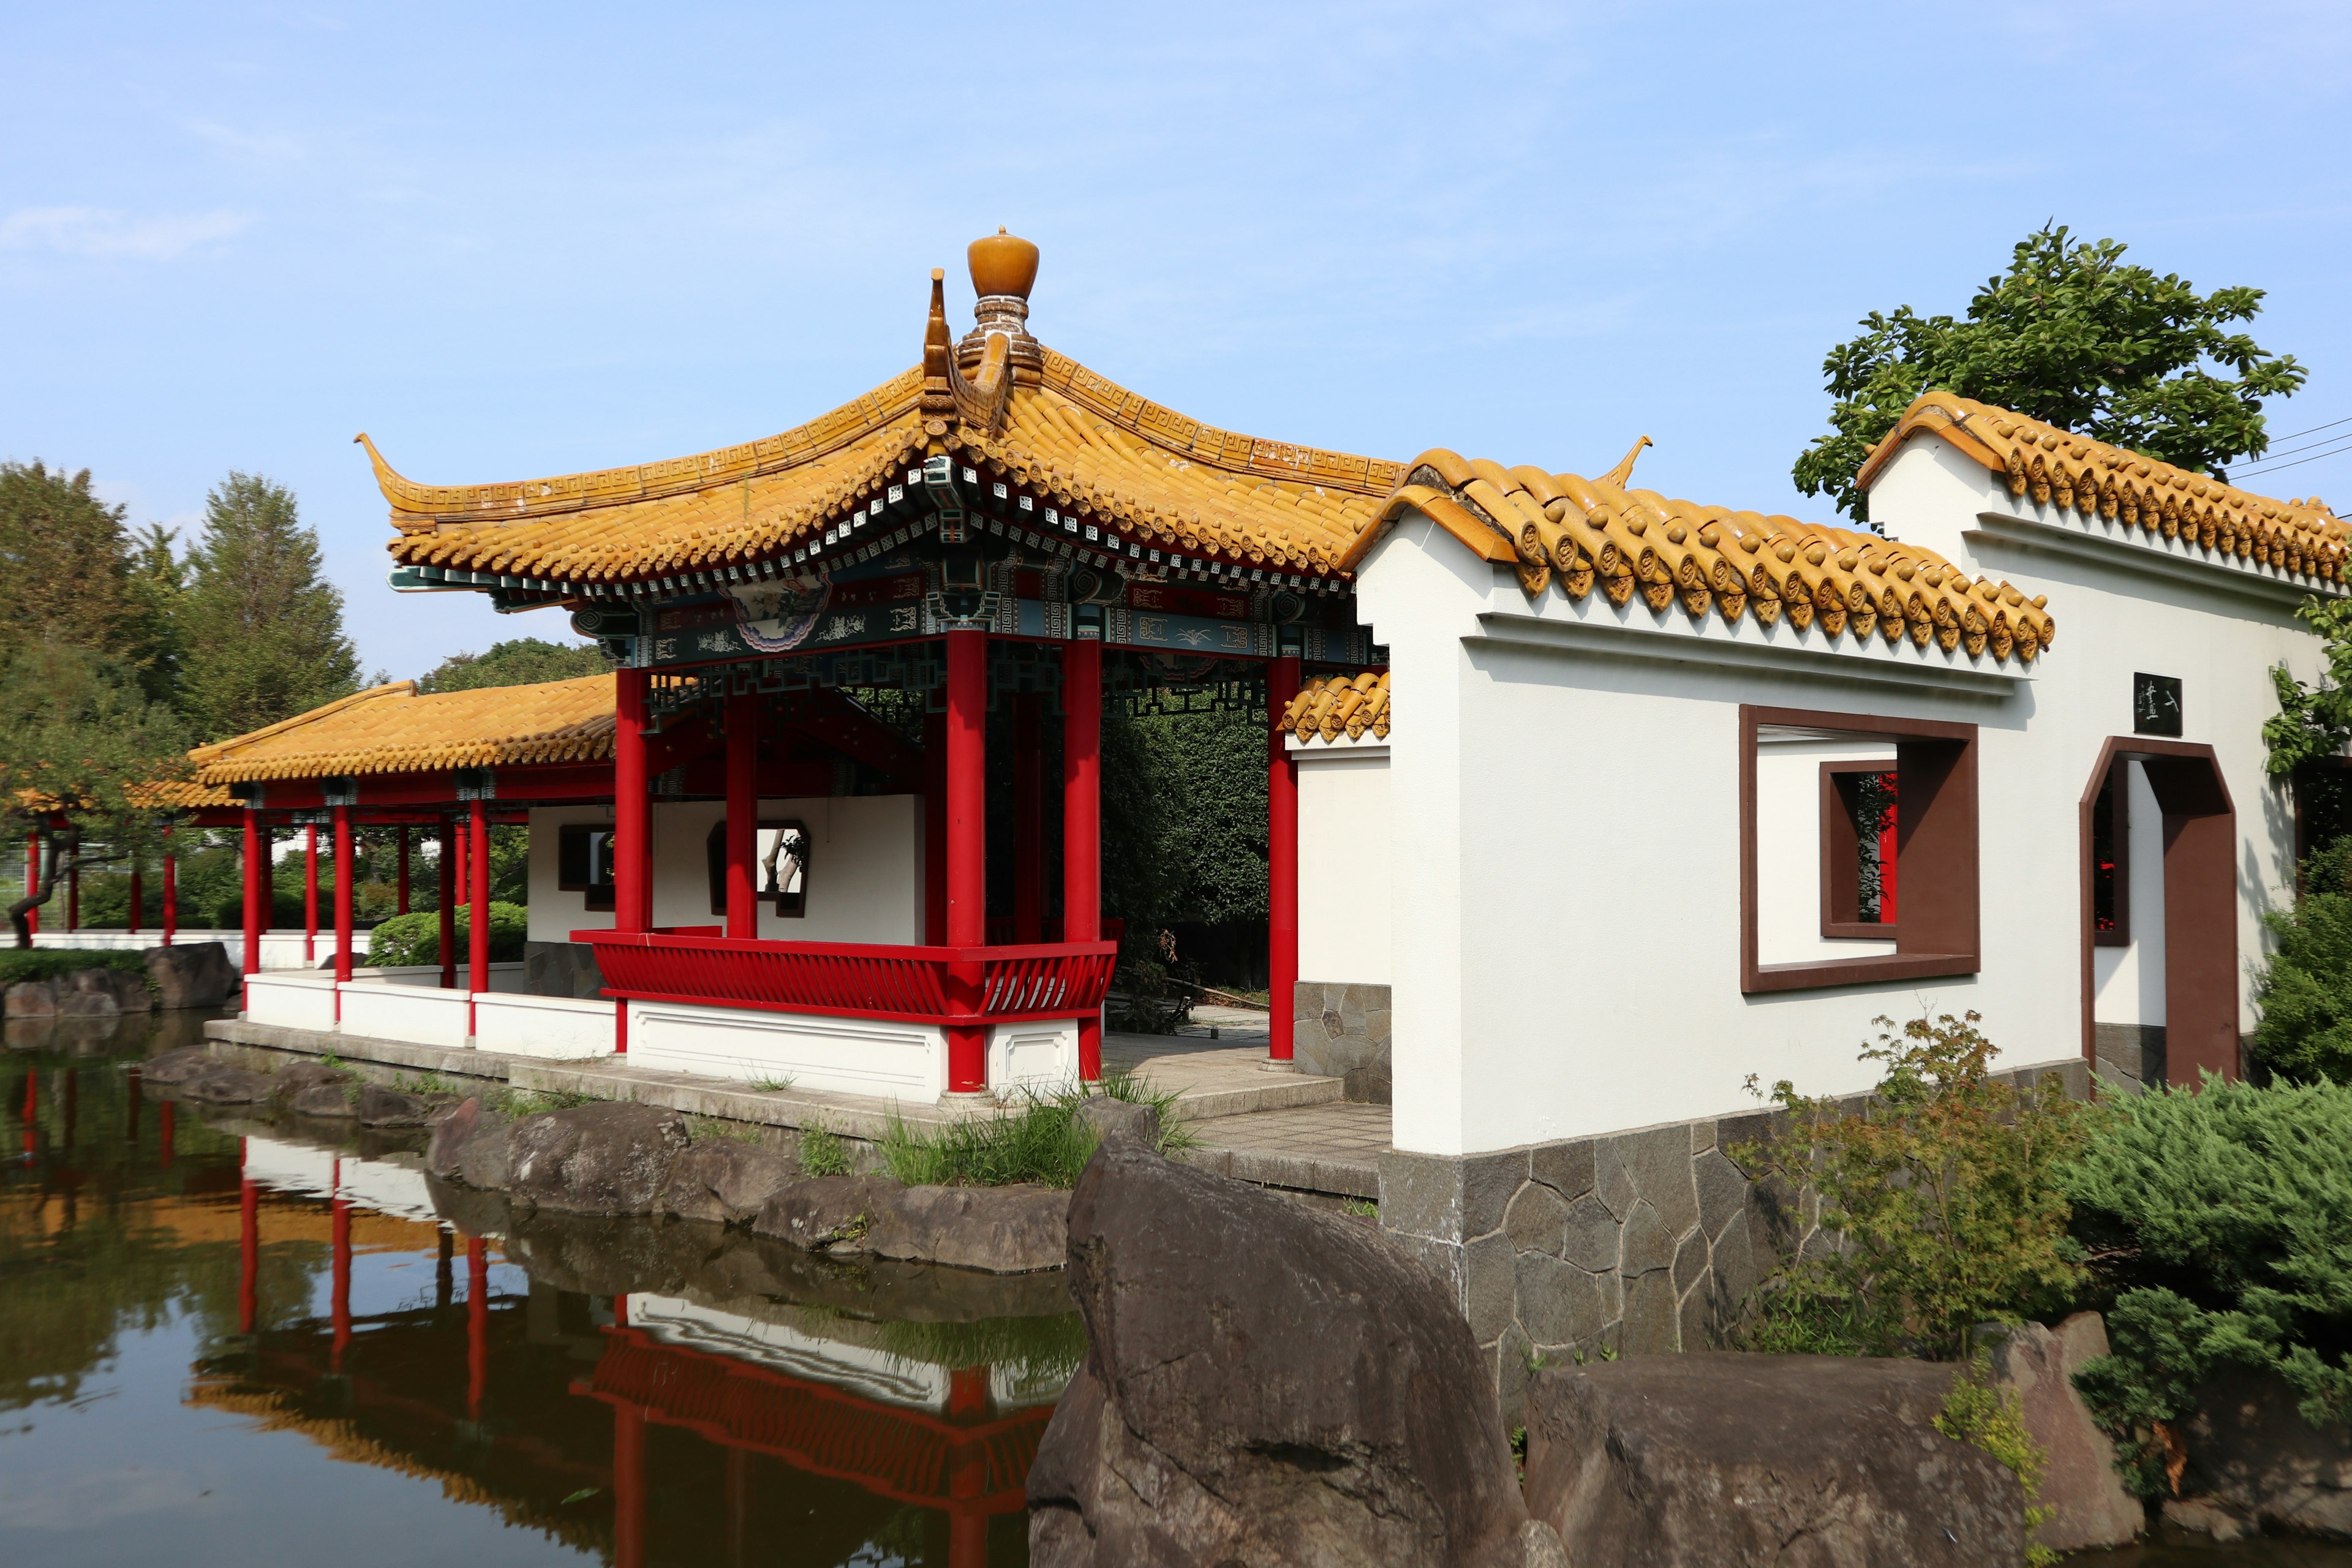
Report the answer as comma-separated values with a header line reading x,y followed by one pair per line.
x,y
1330,706
2301,537
391,729
1071,436
1575,533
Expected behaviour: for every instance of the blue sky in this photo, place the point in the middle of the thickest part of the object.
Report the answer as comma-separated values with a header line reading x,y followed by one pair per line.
x,y
513,241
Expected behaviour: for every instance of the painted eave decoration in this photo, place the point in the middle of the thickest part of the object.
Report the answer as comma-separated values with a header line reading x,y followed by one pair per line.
x,y
2301,537
392,729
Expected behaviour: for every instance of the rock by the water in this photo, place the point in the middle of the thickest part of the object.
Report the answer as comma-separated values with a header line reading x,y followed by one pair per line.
x,y
823,1211
2203,1516
725,1179
296,1076
1002,1230
612,1157
370,1104
220,1084
1120,1117
469,1147
84,993
196,974
177,1067
1265,1384
2080,1487
1717,1460
30,999
2252,1455
334,1100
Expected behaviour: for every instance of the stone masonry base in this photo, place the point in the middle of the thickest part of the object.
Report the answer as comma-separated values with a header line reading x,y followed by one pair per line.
x,y
1638,1242
1342,1031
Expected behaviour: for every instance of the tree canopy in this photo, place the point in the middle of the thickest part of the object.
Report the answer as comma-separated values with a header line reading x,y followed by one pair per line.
x,y
263,628
2072,336
519,661
71,575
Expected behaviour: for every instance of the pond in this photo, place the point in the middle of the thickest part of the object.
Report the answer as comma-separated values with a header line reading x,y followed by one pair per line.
x,y
234,1342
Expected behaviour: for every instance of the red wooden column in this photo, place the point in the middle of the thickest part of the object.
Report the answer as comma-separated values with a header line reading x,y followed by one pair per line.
x,y
171,890
477,899
448,880
343,901
310,893
632,901
967,836
742,813
935,829
256,889
33,883
402,908
1281,861
1081,820
1028,821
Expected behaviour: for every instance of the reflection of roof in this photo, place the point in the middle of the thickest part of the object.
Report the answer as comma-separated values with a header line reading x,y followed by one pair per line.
x,y
1581,534
2301,537
1067,437
1330,706
391,729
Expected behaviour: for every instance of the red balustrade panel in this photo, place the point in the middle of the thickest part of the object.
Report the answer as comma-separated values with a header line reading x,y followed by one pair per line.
x,y
1007,984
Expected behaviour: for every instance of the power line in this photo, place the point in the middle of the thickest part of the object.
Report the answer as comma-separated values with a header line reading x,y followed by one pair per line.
x,y
2273,467
2331,425
2277,452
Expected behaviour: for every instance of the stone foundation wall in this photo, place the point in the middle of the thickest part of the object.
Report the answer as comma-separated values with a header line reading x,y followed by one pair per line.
x,y
2130,1056
1342,1031
560,969
1641,1242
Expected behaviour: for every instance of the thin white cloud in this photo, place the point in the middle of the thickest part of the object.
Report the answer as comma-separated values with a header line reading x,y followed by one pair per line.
x,y
108,234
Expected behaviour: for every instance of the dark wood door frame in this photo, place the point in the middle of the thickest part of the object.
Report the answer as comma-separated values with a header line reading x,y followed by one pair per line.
x,y
2201,903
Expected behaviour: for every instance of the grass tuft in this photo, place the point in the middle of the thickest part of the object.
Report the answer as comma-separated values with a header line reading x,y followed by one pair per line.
x,y
823,1153
775,1085
1040,1141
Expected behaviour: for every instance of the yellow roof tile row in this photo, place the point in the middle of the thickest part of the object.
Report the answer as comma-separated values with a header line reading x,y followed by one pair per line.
x,y
1581,533
1330,706
2303,538
391,729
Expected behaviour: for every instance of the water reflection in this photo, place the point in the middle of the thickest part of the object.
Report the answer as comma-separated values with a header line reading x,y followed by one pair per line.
x,y
235,1340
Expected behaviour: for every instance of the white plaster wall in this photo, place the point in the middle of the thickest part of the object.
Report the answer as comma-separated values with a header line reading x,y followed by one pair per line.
x,y
865,869
1564,819
2128,982
1789,848
1344,857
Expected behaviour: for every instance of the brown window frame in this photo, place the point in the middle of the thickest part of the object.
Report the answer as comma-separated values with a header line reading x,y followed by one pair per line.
x,y
1841,862
1935,851
715,852
598,895
2116,788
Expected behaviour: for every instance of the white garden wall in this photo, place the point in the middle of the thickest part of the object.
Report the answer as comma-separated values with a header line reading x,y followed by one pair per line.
x,y
1344,854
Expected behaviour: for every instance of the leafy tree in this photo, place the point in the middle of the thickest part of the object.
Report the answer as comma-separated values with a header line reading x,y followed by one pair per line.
x,y
264,631
1944,1189
2071,335
2218,1218
1208,770
2305,992
2314,722
68,574
521,661
82,752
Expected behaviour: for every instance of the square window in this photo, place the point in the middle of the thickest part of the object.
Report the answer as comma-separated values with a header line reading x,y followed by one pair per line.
x,y
779,867
584,862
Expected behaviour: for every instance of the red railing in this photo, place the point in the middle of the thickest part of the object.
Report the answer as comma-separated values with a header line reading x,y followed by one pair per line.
x,y
855,980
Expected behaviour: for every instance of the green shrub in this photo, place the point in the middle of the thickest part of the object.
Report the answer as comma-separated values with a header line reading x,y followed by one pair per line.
x,y
2222,1220
1978,1412
2305,992
823,1153
1944,1189
19,964
413,938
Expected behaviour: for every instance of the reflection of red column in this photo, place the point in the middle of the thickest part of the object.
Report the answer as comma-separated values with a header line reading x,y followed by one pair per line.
x,y
633,902
339,1310
72,1103
131,1109
738,1506
628,1485
32,1110
256,891
935,829
166,1132
448,872
478,897
402,836
967,851
1281,861
310,894
967,1473
1028,821
171,890
742,813
248,1244
478,1324
1081,820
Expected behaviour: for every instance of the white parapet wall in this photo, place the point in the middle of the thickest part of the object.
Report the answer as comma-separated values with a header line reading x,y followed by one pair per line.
x,y
394,1010
299,1001
562,1028
848,1056
280,949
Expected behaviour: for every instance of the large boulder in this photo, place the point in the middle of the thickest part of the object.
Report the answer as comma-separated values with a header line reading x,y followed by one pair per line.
x,y
2080,1485
88,993
824,1211
609,1158
725,1179
1726,1461
2252,1456
1000,1230
221,1084
177,1067
471,1147
370,1104
197,974
1265,1384
1110,1117
30,999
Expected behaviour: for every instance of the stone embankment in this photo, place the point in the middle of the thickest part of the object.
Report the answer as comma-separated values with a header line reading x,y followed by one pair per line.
x,y
198,975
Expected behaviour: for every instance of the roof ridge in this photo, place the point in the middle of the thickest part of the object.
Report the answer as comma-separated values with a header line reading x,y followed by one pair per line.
x,y
214,751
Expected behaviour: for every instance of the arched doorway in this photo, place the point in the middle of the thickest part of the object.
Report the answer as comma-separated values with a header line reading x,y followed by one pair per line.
x,y
2198,911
